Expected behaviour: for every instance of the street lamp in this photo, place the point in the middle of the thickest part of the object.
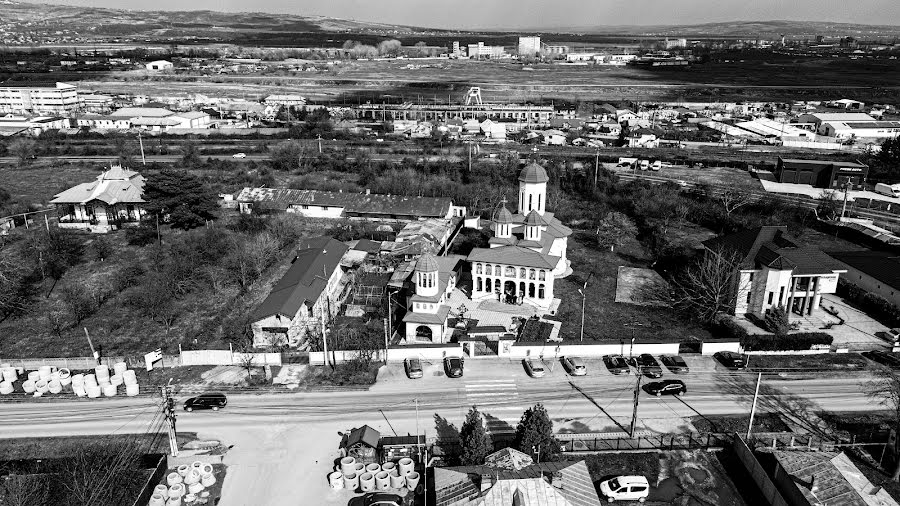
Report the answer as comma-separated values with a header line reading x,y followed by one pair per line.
x,y
583,292
632,325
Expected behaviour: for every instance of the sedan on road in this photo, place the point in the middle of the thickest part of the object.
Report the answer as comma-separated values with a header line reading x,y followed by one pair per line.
x,y
213,401
616,364
575,366
239,155
534,367
666,387
453,366
647,365
731,359
675,363
413,368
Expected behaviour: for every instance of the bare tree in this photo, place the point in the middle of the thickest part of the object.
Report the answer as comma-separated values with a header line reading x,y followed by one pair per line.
x,y
23,148
885,390
614,229
709,286
247,360
12,282
828,206
23,490
732,200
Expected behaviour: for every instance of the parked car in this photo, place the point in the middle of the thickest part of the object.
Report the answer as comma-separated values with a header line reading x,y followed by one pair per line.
x,y
682,183
575,366
731,359
883,357
625,488
413,368
656,165
239,155
213,401
453,366
893,334
675,363
647,365
377,499
534,367
616,364
666,387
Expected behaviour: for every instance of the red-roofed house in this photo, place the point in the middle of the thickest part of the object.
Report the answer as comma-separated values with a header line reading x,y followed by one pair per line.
x,y
112,200
778,271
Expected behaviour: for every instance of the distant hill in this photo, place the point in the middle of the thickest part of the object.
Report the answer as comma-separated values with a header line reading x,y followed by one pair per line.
x,y
749,29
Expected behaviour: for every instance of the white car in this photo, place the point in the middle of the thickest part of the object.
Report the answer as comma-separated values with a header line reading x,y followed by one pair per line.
x,y
534,367
239,155
626,488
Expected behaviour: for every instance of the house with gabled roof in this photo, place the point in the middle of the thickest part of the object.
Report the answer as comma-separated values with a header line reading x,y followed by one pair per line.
x,y
514,479
777,270
113,200
306,294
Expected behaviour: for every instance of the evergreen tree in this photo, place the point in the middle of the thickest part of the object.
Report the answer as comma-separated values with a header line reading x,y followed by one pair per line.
x,y
475,441
534,434
180,197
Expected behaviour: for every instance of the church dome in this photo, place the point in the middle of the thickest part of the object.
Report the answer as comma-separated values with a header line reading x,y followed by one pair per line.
x,y
533,173
426,263
503,216
533,219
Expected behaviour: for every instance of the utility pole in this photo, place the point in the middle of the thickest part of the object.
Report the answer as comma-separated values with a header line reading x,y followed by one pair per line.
x,y
319,137
847,187
753,408
583,293
141,141
169,409
637,396
93,351
596,167
324,341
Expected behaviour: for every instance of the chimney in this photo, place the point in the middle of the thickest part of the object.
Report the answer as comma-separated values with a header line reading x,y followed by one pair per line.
x,y
556,480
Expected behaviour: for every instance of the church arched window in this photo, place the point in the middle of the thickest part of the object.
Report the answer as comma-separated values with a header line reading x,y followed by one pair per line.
x,y
477,268
541,291
522,273
542,275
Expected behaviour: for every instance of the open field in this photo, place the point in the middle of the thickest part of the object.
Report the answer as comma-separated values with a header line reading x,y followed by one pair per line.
x,y
605,319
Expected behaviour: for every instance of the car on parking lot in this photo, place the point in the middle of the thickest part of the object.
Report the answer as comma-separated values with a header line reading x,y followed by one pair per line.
x,y
453,366
731,359
625,488
239,155
213,401
377,499
575,365
616,364
413,367
647,365
534,367
666,387
883,357
674,363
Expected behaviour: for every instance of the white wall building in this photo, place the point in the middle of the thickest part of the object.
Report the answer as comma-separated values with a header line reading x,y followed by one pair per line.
x,y
777,272
529,47
159,65
58,98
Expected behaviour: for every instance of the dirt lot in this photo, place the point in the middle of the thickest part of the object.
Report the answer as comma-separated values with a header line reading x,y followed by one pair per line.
x,y
677,477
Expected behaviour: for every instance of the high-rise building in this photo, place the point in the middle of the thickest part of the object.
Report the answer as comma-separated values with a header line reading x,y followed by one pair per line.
x,y
529,46
58,98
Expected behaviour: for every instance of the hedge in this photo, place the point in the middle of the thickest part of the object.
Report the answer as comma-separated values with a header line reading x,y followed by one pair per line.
x,y
728,328
874,305
798,341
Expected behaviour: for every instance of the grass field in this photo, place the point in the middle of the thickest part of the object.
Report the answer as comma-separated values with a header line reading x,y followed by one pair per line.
x,y
831,362
606,320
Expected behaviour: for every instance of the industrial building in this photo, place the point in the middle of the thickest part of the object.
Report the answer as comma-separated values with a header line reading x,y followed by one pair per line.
x,y
876,272
529,46
53,98
820,173
480,50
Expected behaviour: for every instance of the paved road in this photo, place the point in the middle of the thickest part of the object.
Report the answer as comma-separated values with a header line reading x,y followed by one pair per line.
x,y
282,441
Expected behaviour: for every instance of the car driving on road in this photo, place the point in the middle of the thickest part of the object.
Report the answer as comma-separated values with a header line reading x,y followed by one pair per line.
x,y
675,363
731,359
616,364
413,367
666,387
239,155
575,366
213,401
534,367
648,366
453,366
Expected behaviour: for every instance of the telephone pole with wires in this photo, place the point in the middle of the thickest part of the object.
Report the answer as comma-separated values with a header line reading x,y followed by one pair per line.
x,y
169,410
637,397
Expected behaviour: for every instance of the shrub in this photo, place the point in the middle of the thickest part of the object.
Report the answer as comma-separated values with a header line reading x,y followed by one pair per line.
x,y
798,341
777,321
726,327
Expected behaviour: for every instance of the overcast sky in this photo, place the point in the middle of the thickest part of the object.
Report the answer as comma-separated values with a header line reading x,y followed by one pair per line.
x,y
544,13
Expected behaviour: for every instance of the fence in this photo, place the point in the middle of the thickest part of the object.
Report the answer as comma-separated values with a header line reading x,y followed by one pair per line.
x,y
396,354
756,471
84,363
598,443
554,350
228,357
